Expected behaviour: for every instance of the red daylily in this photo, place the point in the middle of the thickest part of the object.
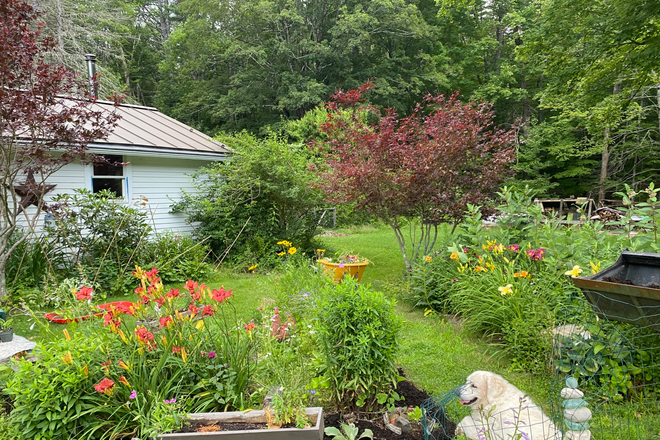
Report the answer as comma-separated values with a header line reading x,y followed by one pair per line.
x,y
208,311
164,321
194,310
221,295
173,293
105,386
84,293
191,286
145,337
160,301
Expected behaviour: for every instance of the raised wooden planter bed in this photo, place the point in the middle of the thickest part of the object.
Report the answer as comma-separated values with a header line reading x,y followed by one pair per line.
x,y
313,433
627,291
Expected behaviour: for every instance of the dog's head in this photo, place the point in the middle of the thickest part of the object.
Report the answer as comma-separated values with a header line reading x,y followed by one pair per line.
x,y
481,389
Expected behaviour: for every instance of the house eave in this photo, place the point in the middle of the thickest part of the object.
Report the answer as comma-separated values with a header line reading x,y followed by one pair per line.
x,y
135,150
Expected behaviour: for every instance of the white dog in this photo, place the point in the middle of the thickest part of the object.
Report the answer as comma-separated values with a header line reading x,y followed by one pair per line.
x,y
500,411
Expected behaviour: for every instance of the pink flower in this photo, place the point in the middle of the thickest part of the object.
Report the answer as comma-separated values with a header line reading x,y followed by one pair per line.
x,y
514,248
536,254
133,395
212,354
341,265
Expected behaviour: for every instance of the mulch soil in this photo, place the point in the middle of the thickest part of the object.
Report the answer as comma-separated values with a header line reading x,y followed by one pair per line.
x,y
413,397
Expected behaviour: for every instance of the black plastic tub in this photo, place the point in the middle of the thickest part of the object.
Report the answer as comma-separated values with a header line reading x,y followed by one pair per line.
x,y
627,291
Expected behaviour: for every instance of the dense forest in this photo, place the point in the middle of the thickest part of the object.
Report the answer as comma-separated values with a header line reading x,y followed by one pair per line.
x,y
579,78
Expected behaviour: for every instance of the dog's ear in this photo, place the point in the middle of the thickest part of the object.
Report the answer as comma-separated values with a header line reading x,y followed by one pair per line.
x,y
494,387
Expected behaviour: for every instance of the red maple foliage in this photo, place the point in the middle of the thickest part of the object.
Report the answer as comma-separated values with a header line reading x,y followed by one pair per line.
x,y
429,165
47,119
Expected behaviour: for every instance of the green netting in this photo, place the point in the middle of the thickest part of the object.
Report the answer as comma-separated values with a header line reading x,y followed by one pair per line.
x,y
612,347
614,354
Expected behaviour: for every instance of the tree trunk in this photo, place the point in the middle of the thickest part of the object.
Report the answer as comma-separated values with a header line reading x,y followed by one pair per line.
x,y
3,283
605,159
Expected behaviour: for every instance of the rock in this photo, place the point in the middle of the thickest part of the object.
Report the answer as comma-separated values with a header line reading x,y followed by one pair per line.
x,y
578,435
574,403
571,393
17,345
579,415
571,382
403,422
577,426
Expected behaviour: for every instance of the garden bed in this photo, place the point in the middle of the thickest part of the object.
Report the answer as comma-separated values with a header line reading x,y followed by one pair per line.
x,y
413,397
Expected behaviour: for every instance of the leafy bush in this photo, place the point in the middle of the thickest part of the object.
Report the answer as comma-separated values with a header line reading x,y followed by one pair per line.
x,y
358,335
264,194
103,235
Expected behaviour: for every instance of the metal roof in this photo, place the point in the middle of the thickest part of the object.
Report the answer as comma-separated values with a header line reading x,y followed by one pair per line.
x,y
148,129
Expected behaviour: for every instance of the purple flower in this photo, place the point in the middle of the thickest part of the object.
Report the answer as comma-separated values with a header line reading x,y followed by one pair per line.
x,y
227,365
212,354
341,265
170,401
133,395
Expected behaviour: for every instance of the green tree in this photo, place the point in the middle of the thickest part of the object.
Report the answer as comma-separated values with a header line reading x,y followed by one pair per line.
x,y
273,59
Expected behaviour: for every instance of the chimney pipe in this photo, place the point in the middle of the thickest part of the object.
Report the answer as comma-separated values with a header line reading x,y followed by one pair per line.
x,y
91,73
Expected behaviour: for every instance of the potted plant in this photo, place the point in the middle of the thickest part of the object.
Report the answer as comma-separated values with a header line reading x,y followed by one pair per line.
x,y
6,330
350,264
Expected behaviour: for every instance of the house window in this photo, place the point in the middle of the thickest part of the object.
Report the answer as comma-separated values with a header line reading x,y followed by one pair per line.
x,y
109,175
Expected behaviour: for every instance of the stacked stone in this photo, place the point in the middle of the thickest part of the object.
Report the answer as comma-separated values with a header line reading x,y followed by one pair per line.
x,y
576,413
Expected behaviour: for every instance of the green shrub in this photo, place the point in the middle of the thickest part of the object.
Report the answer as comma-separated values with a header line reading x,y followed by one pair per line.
x,y
358,334
265,194
103,235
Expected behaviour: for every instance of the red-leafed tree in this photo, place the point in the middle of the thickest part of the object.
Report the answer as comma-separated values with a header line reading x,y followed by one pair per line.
x,y
426,167
47,120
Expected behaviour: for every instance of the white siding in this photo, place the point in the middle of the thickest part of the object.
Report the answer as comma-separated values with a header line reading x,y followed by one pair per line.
x,y
159,179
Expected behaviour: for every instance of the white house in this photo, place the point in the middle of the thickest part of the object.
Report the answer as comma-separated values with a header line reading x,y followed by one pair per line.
x,y
161,154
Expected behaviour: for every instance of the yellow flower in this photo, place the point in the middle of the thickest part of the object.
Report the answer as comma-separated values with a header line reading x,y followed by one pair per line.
x,y
251,268
454,256
522,274
595,268
506,290
575,272
490,266
66,334
429,259
124,365
320,250
292,250
285,243
479,269
281,253
67,358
